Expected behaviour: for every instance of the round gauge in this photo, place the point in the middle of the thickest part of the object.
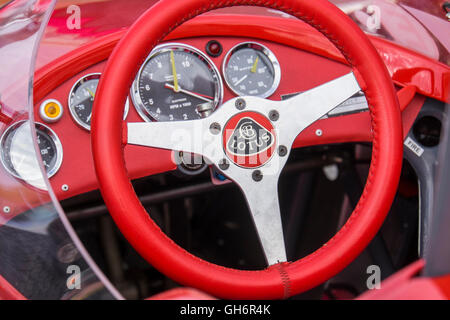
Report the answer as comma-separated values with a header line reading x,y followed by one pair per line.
x,y
81,100
18,155
177,82
250,69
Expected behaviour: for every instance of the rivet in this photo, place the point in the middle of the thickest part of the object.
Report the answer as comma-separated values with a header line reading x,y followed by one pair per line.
x,y
274,115
282,151
240,104
257,175
223,164
214,128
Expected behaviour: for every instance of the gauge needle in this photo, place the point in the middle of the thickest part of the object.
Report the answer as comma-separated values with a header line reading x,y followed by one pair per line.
x,y
194,94
240,80
174,72
91,93
253,69
88,119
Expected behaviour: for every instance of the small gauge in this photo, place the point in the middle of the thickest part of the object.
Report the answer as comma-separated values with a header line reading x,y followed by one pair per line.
x,y
81,100
251,69
18,153
177,82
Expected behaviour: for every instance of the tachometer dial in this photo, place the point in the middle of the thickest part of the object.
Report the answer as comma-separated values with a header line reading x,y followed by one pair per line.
x,y
177,82
251,69
18,155
81,100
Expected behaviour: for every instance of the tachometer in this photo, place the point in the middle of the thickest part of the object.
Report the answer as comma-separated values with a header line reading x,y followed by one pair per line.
x,y
81,99
251,69
177,82
18,155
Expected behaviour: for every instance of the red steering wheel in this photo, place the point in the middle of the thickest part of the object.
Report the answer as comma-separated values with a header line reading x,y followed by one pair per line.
x,y
275,124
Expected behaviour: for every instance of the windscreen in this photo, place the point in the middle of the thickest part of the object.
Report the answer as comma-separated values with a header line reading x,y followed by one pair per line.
x,y
39,256
415,24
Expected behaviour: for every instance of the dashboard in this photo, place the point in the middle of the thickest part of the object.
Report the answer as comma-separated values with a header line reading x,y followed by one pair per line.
x,y
188,77
209,71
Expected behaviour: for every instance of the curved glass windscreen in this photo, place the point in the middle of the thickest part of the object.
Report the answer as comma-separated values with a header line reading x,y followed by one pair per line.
x,y
39,257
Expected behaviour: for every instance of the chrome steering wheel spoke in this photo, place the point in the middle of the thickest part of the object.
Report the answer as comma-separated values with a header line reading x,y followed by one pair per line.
x,y
260,189
192,136
301,111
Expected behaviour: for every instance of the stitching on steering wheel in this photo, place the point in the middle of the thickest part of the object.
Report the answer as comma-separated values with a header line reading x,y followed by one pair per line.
x,y
285,278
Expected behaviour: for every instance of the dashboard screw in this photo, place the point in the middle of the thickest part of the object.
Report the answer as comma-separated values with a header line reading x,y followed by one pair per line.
x,y
257,175
282,151
274,115
223,164
240,104
214,128
6,209
64,187
319,132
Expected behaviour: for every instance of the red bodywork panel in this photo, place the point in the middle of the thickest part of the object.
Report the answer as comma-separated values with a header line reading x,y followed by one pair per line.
x,y
8,292
405,285
181,294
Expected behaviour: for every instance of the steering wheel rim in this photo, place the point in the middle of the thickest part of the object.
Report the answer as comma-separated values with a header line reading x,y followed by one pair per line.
x,y
279,280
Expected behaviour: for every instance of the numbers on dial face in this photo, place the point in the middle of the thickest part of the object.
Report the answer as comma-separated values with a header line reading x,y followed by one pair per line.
x,y
251,70
174,82
81,100
48,150
18,155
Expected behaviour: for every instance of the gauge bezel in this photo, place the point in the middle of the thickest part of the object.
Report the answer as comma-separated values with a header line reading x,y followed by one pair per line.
x,y
134,90
268,53
46,130
77,84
